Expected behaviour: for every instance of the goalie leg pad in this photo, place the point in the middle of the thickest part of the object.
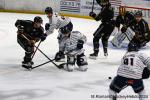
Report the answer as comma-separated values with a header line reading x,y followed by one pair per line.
x,y
118,39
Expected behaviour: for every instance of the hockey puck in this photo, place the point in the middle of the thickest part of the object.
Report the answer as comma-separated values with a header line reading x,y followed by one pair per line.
x,y
109,77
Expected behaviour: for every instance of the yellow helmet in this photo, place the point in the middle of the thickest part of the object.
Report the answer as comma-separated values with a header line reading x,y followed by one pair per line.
x,y
122,10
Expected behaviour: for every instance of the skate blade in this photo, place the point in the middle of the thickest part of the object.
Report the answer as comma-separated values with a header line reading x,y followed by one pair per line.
x,y
27,67
91,57
82,70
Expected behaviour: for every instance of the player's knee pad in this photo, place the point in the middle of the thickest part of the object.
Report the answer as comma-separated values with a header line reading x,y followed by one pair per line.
x,y
81,60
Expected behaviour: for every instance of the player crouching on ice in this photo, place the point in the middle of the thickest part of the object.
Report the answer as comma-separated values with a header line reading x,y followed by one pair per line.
x,y
73,47
29,32
135,67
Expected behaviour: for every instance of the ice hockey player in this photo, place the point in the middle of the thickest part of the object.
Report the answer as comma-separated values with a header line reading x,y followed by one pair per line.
x,y
105,29
141,29
56,22
72,43
135,67
29,32
124,18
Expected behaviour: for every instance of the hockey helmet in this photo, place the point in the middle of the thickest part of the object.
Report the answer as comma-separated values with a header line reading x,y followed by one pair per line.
x,y
48,10
65,30
103,2
38,19
138,13
132,47
122,10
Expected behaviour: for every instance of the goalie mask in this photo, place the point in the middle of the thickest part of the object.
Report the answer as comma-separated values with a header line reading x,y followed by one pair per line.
x,y
138,16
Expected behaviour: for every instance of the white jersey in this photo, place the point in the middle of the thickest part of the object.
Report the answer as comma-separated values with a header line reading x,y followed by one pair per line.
x,y
70,43
132,65
57,22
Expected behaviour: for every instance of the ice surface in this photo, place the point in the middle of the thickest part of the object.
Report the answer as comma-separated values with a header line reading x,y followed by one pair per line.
x,y
47,82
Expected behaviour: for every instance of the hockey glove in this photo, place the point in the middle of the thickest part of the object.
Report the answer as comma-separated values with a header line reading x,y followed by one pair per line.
x,y
92,14
43,37
47,25
146,73
147,36
123,29
20,28
80,44
32,42
59,55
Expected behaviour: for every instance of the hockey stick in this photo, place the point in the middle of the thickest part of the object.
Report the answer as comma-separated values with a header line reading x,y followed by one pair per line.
x,y
29,41
93,6
42,64
35,50
59,67
127,37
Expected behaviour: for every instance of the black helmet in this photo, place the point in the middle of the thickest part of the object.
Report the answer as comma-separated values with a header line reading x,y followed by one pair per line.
x,y
48,10
38,19
138,13
65,30
103,2
132,47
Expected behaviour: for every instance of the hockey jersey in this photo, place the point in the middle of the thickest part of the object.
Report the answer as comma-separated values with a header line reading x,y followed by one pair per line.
x,y
57,22
132,65
29,30
70,43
